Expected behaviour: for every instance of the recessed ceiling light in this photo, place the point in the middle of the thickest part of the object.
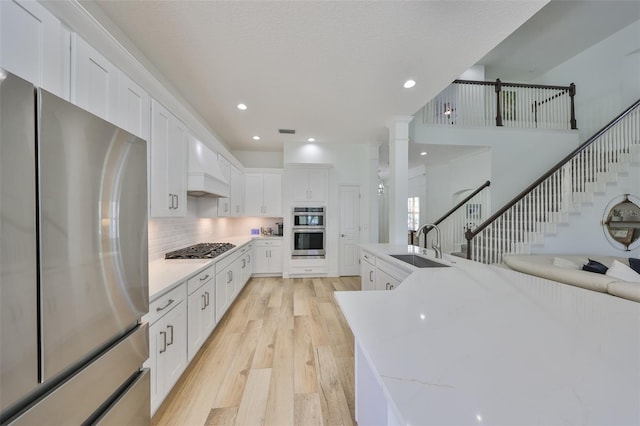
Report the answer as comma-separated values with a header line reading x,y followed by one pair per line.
x,y
311,140
242,107
409,84
256,138
423,153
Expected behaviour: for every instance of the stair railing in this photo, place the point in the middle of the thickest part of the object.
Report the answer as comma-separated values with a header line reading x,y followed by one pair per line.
x,y
469,212
494,103
524,219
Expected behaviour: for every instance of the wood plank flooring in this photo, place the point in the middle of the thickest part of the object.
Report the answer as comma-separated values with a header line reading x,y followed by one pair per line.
x,y
282,355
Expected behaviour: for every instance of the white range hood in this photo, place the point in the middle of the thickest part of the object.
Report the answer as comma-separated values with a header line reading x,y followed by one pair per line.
x,y
204,175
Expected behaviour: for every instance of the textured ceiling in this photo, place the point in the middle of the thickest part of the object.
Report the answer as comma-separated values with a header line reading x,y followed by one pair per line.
x,y
328,69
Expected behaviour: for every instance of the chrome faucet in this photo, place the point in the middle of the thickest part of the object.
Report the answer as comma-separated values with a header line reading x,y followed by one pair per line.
x,y
435,245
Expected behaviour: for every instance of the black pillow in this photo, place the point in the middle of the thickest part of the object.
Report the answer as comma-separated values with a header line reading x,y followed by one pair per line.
x,y
635,264
594,266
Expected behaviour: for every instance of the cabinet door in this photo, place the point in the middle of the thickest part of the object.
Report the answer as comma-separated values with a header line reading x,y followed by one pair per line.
x,y
196,306
298,184
94,81
179,137
134,108
152,364
34,45
175,357
209,313
385,281
253,191
275,259
167,177
237,193
318,185
261,261
221,293
367,275
272,190
224,207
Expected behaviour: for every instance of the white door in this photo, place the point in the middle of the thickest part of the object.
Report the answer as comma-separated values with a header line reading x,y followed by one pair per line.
x,y
349,230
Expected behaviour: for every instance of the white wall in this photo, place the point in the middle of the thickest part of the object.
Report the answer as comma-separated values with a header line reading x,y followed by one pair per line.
x,y
517,156
259,159
607,78
350,166
584,234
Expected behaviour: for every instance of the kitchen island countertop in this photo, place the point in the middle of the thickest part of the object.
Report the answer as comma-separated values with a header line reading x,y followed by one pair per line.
x,y
478,344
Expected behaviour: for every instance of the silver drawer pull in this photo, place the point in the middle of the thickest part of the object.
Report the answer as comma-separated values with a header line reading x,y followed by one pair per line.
x,y
170,327
170,301
204,278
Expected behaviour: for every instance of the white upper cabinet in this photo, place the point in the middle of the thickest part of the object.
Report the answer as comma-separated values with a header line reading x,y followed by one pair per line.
x,y
263,194
168,165
34,45
307,184
94,81
134,107
237,192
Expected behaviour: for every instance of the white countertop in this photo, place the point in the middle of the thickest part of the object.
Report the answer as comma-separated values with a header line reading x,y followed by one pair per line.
x,y
166,274
477,344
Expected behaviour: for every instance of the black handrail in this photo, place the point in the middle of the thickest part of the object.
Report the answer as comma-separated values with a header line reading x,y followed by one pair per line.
x,y
469,234
425,231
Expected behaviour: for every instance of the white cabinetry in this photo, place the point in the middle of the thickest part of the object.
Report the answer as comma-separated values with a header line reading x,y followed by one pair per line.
x,y
245,265
167,342
168,168
226,283
34,45
268,256
94,81
308,184
134,113
367,271
236,186
376,273
224,203
201,308
263,194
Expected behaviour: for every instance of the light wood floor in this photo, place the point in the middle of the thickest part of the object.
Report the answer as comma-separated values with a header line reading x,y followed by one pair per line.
x,y
282,355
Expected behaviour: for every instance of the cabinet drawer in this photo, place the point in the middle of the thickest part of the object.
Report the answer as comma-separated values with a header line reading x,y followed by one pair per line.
x,y
268,243
198,280
165,303
303,270
369,258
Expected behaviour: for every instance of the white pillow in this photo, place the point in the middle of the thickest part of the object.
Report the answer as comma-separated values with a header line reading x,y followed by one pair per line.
x,y
565,263
622,272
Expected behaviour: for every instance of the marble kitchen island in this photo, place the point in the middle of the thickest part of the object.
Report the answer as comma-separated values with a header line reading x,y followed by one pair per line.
x,y
477,344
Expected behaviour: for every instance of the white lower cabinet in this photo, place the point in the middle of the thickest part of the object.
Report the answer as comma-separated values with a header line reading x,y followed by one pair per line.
x,y
268,256
367,272
378,274
167,343
245,265
201,308
226,282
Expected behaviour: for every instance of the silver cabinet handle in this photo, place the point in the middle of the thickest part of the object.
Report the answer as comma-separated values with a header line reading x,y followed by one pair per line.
x,y
204,278
248,258
169,302
387,286
207,302
244,263
371,276
229,276
203,305
164,342
170,327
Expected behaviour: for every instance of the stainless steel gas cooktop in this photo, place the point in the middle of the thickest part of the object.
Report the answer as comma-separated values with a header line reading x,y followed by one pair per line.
x,y
200,251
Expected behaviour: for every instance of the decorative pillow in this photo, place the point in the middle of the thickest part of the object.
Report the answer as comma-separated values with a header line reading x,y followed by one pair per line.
x,y
622,272
565,263
635,264
594,266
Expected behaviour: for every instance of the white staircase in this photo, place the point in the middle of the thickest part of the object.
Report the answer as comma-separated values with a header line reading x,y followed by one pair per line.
x,y
552,200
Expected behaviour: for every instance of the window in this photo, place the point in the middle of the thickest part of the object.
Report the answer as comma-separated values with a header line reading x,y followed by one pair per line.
x,y
414,213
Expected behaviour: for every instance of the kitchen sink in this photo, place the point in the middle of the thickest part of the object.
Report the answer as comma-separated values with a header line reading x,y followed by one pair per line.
x,y
418,261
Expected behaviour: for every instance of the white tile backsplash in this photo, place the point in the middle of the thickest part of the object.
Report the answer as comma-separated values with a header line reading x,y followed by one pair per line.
x,y
170,234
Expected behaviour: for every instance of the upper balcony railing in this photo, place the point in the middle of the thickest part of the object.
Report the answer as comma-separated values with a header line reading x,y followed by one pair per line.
x,y
487,103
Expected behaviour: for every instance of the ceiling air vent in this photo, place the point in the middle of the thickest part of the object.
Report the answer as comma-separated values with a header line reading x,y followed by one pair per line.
x,y
287,131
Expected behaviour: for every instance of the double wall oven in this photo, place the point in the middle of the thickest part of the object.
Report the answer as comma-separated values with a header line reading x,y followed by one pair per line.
x,y
308,232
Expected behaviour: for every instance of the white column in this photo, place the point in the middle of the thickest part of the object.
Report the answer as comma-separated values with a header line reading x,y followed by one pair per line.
x,y
398,178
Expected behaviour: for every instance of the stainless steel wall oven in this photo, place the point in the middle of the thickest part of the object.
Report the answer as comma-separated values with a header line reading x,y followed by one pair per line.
x,y
309,239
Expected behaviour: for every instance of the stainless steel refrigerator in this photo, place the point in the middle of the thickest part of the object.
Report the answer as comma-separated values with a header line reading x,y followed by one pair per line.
x,y
73,259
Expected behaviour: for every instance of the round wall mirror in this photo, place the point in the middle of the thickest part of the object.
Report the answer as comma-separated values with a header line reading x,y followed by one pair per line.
x,y
622,221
